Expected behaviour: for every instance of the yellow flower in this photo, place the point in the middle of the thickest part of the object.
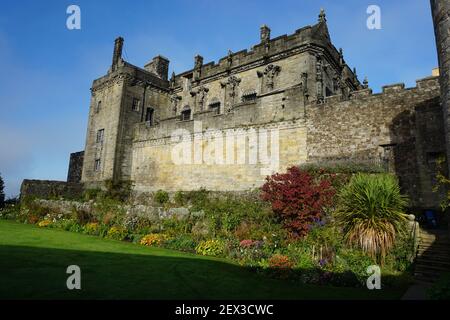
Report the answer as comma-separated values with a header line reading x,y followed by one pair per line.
x,y
44,223
153,239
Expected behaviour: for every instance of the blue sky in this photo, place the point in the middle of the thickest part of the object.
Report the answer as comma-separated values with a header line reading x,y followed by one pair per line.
x,y
47,70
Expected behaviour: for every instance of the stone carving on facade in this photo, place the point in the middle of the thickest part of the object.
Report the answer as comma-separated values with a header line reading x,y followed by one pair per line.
x,y
319,80
200,96
304,84
230,86
172,81
343,88
229,59
268,77
322,16
365,83
174,103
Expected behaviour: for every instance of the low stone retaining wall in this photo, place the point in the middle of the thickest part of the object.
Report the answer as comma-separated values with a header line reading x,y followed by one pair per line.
x,y
50,189
151,213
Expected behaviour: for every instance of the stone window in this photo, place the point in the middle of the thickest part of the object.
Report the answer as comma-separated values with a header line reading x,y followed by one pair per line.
x,y
186,114
215,107
97,165
149,116
100,135
249,96
98,106
135,104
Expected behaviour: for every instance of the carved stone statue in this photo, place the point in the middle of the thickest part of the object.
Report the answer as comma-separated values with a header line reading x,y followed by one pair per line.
x,y
269,73
229,58
201,97
230,86
174,103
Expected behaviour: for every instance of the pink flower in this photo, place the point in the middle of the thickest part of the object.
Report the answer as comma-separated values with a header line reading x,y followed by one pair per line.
x,y
246,243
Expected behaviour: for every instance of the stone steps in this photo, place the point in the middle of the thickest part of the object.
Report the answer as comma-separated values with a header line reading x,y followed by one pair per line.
x,y
433,255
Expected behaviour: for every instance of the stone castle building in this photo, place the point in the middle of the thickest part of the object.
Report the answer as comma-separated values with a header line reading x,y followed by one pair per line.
x,y
296,85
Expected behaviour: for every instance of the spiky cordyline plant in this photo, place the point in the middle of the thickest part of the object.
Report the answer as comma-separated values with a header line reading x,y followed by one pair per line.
x,y
371,213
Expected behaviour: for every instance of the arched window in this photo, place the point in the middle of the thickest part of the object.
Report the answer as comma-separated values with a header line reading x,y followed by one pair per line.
x,y
186,113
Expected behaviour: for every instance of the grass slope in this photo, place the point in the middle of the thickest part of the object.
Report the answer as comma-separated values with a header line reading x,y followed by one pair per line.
x,y
33,264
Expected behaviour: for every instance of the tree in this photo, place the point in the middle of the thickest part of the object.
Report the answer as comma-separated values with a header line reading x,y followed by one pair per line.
x,y
2,192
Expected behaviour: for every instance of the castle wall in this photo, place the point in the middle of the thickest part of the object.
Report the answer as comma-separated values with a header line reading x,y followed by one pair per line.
x,y
441,19
281,113
400,126
75,167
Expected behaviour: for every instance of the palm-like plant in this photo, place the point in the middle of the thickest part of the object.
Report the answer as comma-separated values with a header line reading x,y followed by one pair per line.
x,y
371,213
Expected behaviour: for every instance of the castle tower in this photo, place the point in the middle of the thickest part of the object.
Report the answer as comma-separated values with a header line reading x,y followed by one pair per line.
x,y
441,18
108,123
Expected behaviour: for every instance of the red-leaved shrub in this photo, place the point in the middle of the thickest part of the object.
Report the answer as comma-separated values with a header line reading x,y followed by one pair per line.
x,y
297,198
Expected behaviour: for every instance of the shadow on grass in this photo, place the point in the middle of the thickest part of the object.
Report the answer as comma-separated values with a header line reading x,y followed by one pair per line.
x,y
40,273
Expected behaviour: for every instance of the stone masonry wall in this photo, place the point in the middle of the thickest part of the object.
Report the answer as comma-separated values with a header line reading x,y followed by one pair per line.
x,y
46,189
75,167
400,126
441,18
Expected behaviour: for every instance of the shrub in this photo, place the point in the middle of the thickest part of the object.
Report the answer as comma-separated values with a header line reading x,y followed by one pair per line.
x,y
31,211
174,226
117,233
82,216
179,198
402,254
153,239
248,252
198,198
44,223
118,190
344,166
183,242
161,197
214,247
246,243
92,228
297,199
10,212
352,265
91,194
279,261
371,213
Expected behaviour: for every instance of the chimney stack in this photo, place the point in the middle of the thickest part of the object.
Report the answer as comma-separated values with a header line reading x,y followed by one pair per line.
x,y
159,66
117,54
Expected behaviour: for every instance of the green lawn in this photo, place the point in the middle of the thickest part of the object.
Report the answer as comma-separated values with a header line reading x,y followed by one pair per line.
x,y
33,264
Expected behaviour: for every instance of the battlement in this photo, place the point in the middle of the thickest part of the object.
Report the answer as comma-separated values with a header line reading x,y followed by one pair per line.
x,y
305,38
425,84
